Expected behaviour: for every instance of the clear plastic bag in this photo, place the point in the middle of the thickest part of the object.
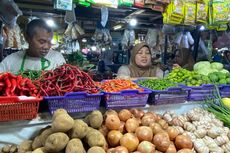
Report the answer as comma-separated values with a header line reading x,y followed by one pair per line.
x,y
104,16
151,37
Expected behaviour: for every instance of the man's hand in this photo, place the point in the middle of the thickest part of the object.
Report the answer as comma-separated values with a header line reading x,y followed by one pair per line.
x,y
176,66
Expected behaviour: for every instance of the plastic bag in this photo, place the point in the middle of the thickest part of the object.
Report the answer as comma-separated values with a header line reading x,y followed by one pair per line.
x,y
104,16
151,37
128,39
70,16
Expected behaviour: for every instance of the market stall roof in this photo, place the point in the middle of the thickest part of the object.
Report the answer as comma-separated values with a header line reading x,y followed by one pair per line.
x,y
146,17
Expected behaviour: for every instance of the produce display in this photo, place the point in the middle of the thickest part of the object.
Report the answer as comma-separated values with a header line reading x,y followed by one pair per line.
x,y
189,78
206,132
219,77
33,75
118,85
220,107
11,85
66,78
205,67
124,131
157,84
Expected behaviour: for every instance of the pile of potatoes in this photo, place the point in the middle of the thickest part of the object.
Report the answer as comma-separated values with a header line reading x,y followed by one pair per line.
x,y
66,135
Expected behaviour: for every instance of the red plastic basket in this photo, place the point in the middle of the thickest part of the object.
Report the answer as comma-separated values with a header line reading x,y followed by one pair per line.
x,y
14,108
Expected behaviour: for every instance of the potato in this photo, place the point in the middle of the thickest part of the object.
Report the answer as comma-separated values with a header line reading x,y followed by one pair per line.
x,y
59,112
39,150
13,149
6,149
25,146
37,143
75,146
95,119
95,138
62,123
79,129
96,150
44,135
56,142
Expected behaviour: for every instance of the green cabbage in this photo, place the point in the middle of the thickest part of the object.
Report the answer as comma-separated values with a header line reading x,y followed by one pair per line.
x,y
202,65
217,66
224,71
206,71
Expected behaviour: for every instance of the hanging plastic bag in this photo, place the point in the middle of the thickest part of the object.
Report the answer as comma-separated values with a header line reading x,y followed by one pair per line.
x,y
70,16
104,16
190,38
184,42
178,38
151,37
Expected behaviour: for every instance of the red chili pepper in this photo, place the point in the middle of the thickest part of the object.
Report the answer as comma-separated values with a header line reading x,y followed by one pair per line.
x,y
13,85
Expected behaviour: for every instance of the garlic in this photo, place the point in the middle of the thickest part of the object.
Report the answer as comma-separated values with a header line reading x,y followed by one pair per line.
x,y
190,135
221,140
189,127
167,117
179,129
217,150
200,146
226,147
193,116
176,122
215,131
200,133
210,143
217,122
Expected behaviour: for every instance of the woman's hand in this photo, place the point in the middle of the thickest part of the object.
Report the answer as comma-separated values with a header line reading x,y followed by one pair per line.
x,y
176,66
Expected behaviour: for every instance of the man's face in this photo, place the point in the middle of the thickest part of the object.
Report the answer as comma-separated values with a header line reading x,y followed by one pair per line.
x,y
40,43
143,57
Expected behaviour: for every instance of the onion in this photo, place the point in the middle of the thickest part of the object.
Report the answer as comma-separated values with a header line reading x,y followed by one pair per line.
x,y
130,141
182,142
124,115
163,124
147,120
172,132
146,147
111,150
104,130
121,149
122,127
112,122
137,113
161,141
171,148
156,128
131,125
114,138
144,133
185,151
110,112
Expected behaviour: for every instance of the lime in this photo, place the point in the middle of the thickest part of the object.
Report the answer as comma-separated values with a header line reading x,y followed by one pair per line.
x,y
221,76
222,81
228,80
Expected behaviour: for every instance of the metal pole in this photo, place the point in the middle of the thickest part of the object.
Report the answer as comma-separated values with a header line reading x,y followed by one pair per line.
x,y
196,43
165,49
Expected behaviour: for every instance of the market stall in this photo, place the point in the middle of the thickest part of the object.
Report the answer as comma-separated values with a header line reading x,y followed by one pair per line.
x,y
81,106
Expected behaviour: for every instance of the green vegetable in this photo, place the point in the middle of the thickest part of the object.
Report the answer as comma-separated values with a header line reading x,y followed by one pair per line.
x,y
217,107
31,74
157,84
201,65
217,66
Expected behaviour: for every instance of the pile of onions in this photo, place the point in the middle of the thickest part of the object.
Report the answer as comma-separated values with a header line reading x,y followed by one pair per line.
x,y
139,132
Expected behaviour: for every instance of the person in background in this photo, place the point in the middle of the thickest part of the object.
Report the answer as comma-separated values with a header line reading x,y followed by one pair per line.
x,y
38,56
183,58
140,64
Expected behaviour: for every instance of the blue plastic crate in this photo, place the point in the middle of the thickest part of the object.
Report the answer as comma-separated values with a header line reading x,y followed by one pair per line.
x,y
225,90
169,96
126,99
74,102
200,93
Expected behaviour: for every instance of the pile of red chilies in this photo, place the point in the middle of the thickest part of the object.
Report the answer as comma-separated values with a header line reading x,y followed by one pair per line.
x,y
11,85
66,78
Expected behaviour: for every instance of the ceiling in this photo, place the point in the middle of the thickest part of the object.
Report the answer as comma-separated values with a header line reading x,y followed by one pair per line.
x,y
89,16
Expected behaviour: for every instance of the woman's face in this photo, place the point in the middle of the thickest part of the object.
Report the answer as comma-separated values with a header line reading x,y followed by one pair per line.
x,y
143,57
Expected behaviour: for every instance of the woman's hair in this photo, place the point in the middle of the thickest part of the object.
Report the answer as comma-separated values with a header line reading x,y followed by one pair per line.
x,y
32,25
